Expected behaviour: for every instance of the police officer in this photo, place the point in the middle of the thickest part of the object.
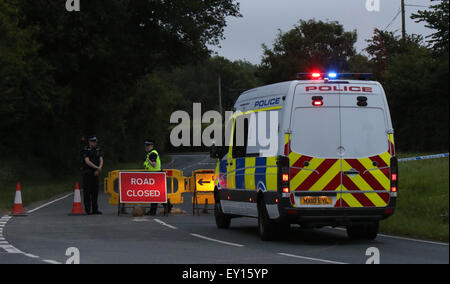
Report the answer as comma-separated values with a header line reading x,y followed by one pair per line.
x,y
93,165
152,163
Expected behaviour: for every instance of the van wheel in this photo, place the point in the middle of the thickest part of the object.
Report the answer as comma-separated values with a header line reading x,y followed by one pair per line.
x,y
223,221
267,228
363,231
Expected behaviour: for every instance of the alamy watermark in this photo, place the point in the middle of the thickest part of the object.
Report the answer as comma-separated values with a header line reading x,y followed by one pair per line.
x,y
256,130
74,255
373,5
73,6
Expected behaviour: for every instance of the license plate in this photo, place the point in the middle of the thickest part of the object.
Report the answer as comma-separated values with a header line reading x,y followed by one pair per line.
x,y
316,200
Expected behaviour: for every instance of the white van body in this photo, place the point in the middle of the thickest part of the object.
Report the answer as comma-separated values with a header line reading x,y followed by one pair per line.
x,y
334,163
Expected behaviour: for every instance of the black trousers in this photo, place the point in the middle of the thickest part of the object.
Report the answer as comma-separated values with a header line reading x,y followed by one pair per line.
x,y
90,195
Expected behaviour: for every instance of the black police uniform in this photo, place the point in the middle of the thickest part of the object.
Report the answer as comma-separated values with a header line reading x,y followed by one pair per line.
x,y
90,181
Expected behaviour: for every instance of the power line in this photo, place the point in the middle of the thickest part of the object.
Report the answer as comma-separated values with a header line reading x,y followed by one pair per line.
x,y
393,20
413,5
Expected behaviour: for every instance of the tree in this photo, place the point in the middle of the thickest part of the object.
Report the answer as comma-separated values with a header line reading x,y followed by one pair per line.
x,y
27,89
91,60
383,46
310,45
436,19
416,83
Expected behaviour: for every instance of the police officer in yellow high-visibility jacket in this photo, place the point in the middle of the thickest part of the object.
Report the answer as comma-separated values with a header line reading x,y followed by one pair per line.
x,y
152,163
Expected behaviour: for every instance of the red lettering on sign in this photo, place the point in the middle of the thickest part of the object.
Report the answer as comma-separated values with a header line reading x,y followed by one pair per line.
x,y
311,88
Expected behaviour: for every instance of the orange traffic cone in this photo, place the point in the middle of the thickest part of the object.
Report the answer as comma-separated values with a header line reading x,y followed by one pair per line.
x,y
18,208
77,209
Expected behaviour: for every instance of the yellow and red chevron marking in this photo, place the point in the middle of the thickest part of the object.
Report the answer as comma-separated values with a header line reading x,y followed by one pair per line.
x,y
371,188
368,189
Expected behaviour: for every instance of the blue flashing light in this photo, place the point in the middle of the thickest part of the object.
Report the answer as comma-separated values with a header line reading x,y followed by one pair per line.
x,y
332,75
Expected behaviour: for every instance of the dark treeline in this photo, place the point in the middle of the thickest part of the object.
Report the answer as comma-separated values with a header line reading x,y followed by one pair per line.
x,y
119,68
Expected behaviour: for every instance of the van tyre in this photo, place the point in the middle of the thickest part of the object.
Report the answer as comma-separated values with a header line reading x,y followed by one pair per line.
x,y
267,228
363,231
223,221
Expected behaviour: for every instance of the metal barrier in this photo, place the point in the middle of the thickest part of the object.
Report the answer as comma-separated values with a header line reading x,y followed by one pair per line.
x,y
177,184
202,184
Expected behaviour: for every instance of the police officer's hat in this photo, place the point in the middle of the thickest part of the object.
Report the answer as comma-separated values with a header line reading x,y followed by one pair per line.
x,y
92,138
148,142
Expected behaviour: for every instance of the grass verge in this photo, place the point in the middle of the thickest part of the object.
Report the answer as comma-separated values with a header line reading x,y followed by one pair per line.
x,y
423,200
38,185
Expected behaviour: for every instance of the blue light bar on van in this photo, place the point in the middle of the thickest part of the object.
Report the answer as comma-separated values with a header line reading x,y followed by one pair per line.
x,y
334,75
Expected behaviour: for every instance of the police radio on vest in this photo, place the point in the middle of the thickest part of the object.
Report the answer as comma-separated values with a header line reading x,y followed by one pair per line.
x,y
142,181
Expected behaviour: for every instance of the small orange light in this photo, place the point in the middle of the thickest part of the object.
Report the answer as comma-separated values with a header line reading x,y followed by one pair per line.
x,y
286,189
229,197
276,200
251,200
394,189
285,177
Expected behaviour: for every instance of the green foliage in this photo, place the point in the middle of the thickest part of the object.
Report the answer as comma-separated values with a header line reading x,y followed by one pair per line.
x,y
383,46
415,79
437,19
64,75
417,87
423,201
311,45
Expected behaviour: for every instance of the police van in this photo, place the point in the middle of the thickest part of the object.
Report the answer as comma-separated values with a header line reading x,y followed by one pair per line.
x,y
333,163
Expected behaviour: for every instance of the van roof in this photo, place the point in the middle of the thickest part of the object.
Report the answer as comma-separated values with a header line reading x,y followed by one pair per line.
x,y
282,89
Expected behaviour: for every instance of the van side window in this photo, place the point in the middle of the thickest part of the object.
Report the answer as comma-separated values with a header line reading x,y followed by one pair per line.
x,y
262,122
240,136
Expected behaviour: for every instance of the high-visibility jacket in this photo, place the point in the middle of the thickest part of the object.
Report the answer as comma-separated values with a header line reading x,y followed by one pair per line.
x,y
147,164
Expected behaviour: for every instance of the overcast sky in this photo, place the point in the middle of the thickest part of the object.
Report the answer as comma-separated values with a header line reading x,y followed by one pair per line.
x,y
262,19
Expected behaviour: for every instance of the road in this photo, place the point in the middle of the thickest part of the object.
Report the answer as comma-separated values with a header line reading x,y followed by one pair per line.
x,y
47,232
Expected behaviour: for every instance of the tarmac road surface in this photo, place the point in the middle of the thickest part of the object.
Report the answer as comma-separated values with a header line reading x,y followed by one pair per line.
x,y
47,232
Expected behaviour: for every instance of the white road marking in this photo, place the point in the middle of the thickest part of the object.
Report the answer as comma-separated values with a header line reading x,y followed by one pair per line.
x,y
10,249
164,224
51,261
141,219
413,240
402,238
311,258
217,241
46,204
31,255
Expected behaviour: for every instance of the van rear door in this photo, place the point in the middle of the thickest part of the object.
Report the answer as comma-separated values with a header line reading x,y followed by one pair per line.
x,y
340,150
365,146
316,137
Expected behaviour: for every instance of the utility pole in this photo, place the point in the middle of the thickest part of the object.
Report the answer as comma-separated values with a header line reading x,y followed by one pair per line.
x,y
403,21
220,95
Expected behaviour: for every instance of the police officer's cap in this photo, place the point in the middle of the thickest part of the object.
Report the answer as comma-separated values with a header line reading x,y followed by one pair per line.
x,y
92,138
148,143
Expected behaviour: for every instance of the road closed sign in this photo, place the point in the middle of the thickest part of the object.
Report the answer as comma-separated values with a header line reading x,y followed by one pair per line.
x,y
142,187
